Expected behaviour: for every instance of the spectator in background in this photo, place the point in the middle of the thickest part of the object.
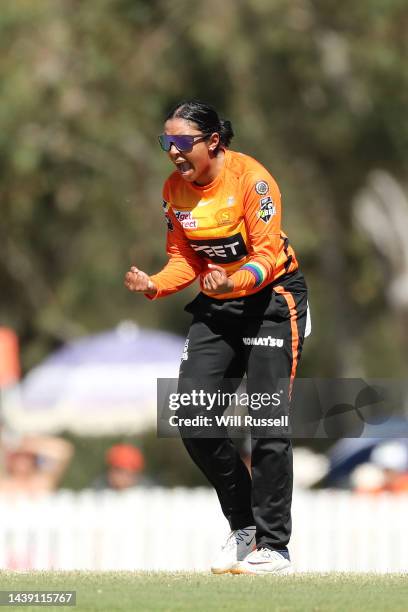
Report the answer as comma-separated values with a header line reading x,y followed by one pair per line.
x,y
35,465
387,471
124,469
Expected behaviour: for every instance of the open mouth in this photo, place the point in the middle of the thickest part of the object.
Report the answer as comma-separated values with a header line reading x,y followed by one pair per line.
x,y
184,167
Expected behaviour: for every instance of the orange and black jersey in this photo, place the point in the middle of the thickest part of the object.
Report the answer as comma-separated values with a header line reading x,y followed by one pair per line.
x,y
234,222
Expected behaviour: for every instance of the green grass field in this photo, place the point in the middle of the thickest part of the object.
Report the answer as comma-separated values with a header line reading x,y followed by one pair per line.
x,y
131,591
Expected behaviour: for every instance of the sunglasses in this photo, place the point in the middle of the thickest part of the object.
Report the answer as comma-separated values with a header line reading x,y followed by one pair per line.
x,y
183,143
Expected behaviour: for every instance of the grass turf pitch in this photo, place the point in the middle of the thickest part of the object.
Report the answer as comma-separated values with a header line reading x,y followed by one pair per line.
x,y
148,591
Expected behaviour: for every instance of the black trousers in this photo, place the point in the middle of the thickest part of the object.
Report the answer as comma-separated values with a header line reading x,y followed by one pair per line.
x,y
222,345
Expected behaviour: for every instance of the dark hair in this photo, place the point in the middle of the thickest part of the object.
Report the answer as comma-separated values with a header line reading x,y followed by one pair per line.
x,y
205,116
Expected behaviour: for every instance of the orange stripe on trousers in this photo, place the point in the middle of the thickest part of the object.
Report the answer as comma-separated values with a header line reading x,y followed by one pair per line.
x,y
295,334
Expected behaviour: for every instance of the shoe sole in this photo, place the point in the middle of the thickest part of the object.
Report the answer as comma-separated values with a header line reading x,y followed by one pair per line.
x,y
220,571
285,571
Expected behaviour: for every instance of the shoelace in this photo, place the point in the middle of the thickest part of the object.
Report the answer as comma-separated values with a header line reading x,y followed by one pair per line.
x,y
267,553
235,537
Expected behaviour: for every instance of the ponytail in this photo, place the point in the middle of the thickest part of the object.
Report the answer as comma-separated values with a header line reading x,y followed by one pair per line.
x,y
226,132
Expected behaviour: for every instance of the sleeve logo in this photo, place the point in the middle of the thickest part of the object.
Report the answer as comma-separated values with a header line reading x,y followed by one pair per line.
x,y
166,207
261,187
170,225
267,209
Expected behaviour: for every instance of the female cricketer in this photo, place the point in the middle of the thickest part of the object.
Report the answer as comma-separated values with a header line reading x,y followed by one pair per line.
x,y
223,213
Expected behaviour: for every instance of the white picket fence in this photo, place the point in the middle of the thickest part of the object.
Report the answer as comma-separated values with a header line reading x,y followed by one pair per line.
x,y
181,529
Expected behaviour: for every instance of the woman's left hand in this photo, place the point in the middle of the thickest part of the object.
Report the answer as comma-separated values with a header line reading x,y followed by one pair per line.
x,y
217,281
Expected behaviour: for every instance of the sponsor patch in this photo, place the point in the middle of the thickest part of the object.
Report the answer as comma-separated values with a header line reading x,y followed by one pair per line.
x,y
225,216
184,355
267,209
205,202
267,341
186,220
221,250
261,187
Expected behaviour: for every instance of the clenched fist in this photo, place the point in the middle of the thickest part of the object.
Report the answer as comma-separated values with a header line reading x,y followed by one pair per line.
x,y
217,281
139,281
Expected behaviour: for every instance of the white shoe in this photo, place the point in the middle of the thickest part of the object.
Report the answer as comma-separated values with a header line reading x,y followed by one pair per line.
x,y
264,561
239,543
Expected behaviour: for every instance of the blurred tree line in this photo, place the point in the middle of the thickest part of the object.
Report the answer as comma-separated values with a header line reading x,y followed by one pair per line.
x,y
316,90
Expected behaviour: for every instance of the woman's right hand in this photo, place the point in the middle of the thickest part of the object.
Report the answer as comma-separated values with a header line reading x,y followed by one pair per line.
x,y
139,281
